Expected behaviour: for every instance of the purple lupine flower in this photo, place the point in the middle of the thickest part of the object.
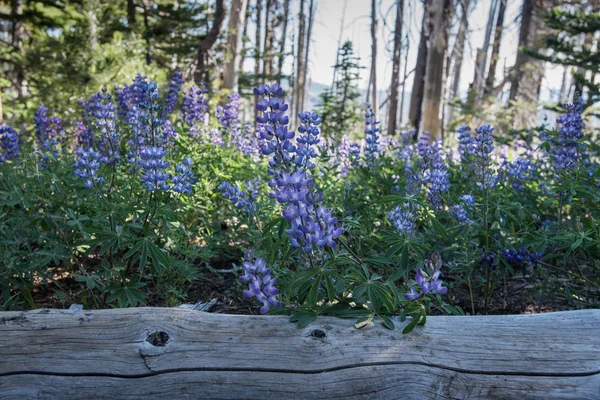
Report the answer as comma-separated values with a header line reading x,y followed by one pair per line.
x,y
46,132
308,136
520,171
371,136
460,212
86,166
261,285
103,111
428,279
565,147
439,177
403,219
465,142
84,135
521,257
9,141
482,147
173,93
243,201
195,107
184,177
229,119
311,224
487,261
154,176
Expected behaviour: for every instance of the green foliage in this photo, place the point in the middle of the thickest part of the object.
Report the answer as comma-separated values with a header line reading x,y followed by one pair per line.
x,y
568,43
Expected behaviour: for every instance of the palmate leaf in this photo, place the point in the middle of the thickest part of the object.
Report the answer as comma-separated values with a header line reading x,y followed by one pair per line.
x,y
128,295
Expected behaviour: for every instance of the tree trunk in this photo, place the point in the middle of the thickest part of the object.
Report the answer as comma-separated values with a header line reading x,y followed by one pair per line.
x,y
311,16
393,106
458,52
257,38
244,51
433,92
268,40
528,71
201,73
130,13
489,83
416,97
147,34
300,68
281,58
236,23
481,60
16,42
374,58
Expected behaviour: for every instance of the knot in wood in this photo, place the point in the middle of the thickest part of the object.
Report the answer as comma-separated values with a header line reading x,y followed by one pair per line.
x,y
158,338
318,333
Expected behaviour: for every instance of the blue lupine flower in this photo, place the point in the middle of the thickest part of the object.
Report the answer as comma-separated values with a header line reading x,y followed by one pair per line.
x,y
308,137
458,210
565,148
195,107
86,166
183,179
439,177
104,115
229,118
428,279
9,141
173,94
154,176
488,261
520,171
465,142
47,130
482,147
311,224
521,257
261,284
243,201
403,219
371,136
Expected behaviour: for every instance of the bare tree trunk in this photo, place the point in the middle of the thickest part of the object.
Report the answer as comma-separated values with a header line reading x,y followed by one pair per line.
x,y
147,34
458,52
237,19
16,42
489,83
244,51
258,42
300,67
404,78
416,97
270,16
563,86
393,106
528,71
433,92
311,16
201,72
130,13
374,58
281,58
481,60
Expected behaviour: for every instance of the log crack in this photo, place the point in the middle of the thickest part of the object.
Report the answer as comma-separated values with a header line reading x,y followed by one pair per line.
x,y
299,372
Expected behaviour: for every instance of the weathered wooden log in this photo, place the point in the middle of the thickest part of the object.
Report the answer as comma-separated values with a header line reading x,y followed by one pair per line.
x,y
172,353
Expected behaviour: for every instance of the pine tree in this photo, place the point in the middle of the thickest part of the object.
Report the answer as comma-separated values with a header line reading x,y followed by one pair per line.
x,y
564,46
338,106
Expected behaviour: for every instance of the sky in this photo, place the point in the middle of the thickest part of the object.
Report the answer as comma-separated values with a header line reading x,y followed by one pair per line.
x,y
357,26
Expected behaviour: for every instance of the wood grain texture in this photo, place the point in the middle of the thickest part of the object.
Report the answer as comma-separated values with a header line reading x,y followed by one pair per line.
x,y
118,354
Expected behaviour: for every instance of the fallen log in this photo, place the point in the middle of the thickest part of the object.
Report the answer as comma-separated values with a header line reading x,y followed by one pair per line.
x,y
173,353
